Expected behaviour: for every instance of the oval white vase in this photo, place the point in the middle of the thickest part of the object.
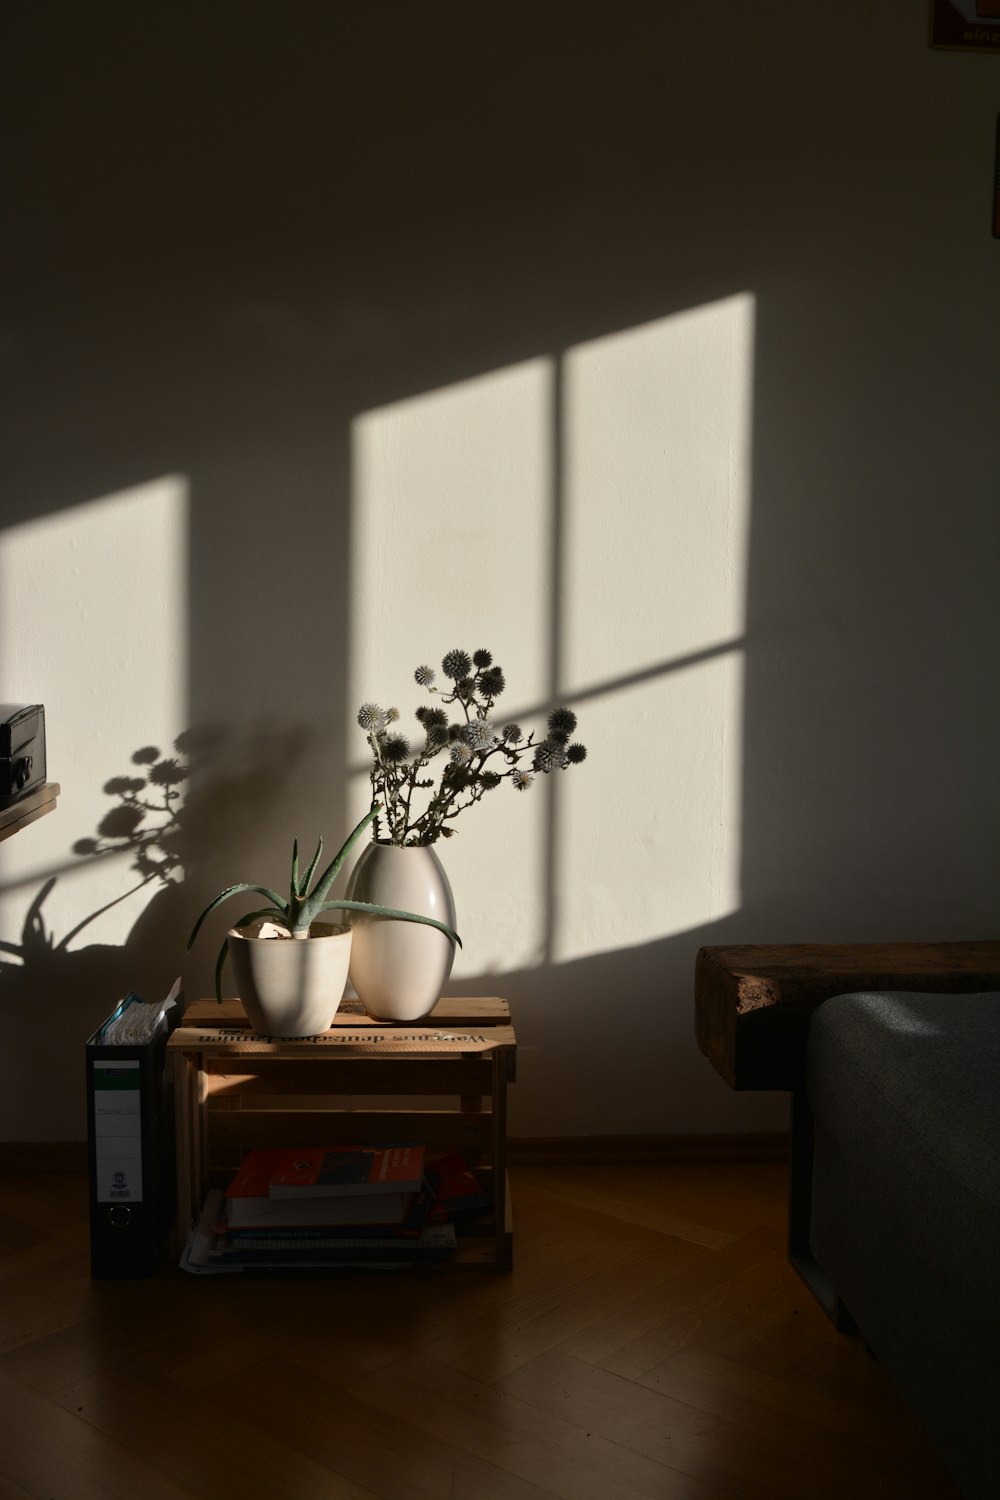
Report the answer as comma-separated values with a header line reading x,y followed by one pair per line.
x,y
291,986
400,968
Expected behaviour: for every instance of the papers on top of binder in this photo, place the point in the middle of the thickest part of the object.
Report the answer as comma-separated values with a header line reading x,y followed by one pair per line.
x,y
136,1021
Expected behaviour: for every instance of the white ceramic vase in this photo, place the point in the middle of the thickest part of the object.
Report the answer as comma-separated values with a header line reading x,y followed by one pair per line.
x,y
400,968
291,986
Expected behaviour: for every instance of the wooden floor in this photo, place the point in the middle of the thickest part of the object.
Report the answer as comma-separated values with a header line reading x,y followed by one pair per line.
x,y
650,1342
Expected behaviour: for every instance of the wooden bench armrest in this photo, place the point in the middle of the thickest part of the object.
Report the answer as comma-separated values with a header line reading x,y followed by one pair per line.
x,y
753,1003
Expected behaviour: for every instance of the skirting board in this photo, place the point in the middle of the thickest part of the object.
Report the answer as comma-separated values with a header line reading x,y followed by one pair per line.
x,y
71,1156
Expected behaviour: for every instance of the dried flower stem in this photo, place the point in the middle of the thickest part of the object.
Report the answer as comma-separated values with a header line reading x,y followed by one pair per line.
x,y
396,776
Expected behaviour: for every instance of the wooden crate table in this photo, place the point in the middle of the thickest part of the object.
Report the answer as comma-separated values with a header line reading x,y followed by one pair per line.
x,y
441,1081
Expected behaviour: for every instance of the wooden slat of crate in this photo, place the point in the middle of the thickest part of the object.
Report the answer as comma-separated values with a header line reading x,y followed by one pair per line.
x,y
397,1074
356,1042
479,1244
451,1010
459,1130
183,1074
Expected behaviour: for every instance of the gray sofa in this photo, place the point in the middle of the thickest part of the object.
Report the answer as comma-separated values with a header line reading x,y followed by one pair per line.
x,y
904,1091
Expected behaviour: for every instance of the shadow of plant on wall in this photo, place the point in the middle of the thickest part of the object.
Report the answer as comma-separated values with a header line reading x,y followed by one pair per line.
x,y
169,817
146,818
151,830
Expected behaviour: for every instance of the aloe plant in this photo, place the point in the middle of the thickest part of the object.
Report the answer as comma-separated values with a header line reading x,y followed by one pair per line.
x,y
303,906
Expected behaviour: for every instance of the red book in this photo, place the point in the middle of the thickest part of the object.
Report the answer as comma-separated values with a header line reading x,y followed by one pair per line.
x,y
344,1171
458,1193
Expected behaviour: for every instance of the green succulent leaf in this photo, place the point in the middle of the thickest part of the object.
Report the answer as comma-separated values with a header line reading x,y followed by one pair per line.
x,y
370,909
307,882
310,906
236,890
273,912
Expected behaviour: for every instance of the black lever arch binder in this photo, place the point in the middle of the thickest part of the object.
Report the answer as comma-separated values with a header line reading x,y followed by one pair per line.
x,y
130,1140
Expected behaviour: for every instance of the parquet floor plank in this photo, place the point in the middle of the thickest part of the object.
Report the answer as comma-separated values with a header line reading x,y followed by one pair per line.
x,y
712,1295
718,1201
11,1491
44,1297
777,1330
524,1324
845,1374
53,1202
52,1455
801,1417
751,1465
222,1458
571,1461
397,1458
625,1194
72,1352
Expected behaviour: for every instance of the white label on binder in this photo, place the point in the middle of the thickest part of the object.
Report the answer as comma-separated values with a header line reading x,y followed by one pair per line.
x,y
118,1131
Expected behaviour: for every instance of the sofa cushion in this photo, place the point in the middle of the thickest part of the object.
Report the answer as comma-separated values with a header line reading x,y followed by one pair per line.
x,y
905,1092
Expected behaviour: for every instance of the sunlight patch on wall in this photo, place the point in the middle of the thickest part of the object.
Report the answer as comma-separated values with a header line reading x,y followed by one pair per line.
x,y
94,625
451,529
657,467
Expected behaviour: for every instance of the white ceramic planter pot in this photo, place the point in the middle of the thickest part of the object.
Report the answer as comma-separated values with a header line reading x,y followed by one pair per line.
x,y
291,986
400,968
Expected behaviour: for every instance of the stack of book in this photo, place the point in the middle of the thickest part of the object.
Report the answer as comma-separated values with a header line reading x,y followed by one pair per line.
x,y
309,1208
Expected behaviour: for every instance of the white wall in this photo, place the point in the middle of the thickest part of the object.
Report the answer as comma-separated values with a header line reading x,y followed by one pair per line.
x,y
656,354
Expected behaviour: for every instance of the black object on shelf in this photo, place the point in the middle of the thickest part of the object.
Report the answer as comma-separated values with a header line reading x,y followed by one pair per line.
x,y
22,750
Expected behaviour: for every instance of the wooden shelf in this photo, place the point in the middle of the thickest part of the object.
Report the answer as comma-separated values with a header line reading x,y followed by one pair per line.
x,y
28,809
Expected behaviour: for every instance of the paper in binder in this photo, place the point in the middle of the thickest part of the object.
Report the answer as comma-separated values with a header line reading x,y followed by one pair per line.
x,y
130,1132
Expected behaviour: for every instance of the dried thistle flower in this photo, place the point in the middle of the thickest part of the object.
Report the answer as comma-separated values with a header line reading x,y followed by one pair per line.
x,y
562,719
371,718
479,734
545,758
479,759
457,665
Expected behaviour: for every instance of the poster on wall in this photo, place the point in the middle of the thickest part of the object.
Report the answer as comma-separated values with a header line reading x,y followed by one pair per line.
x,y
965,25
